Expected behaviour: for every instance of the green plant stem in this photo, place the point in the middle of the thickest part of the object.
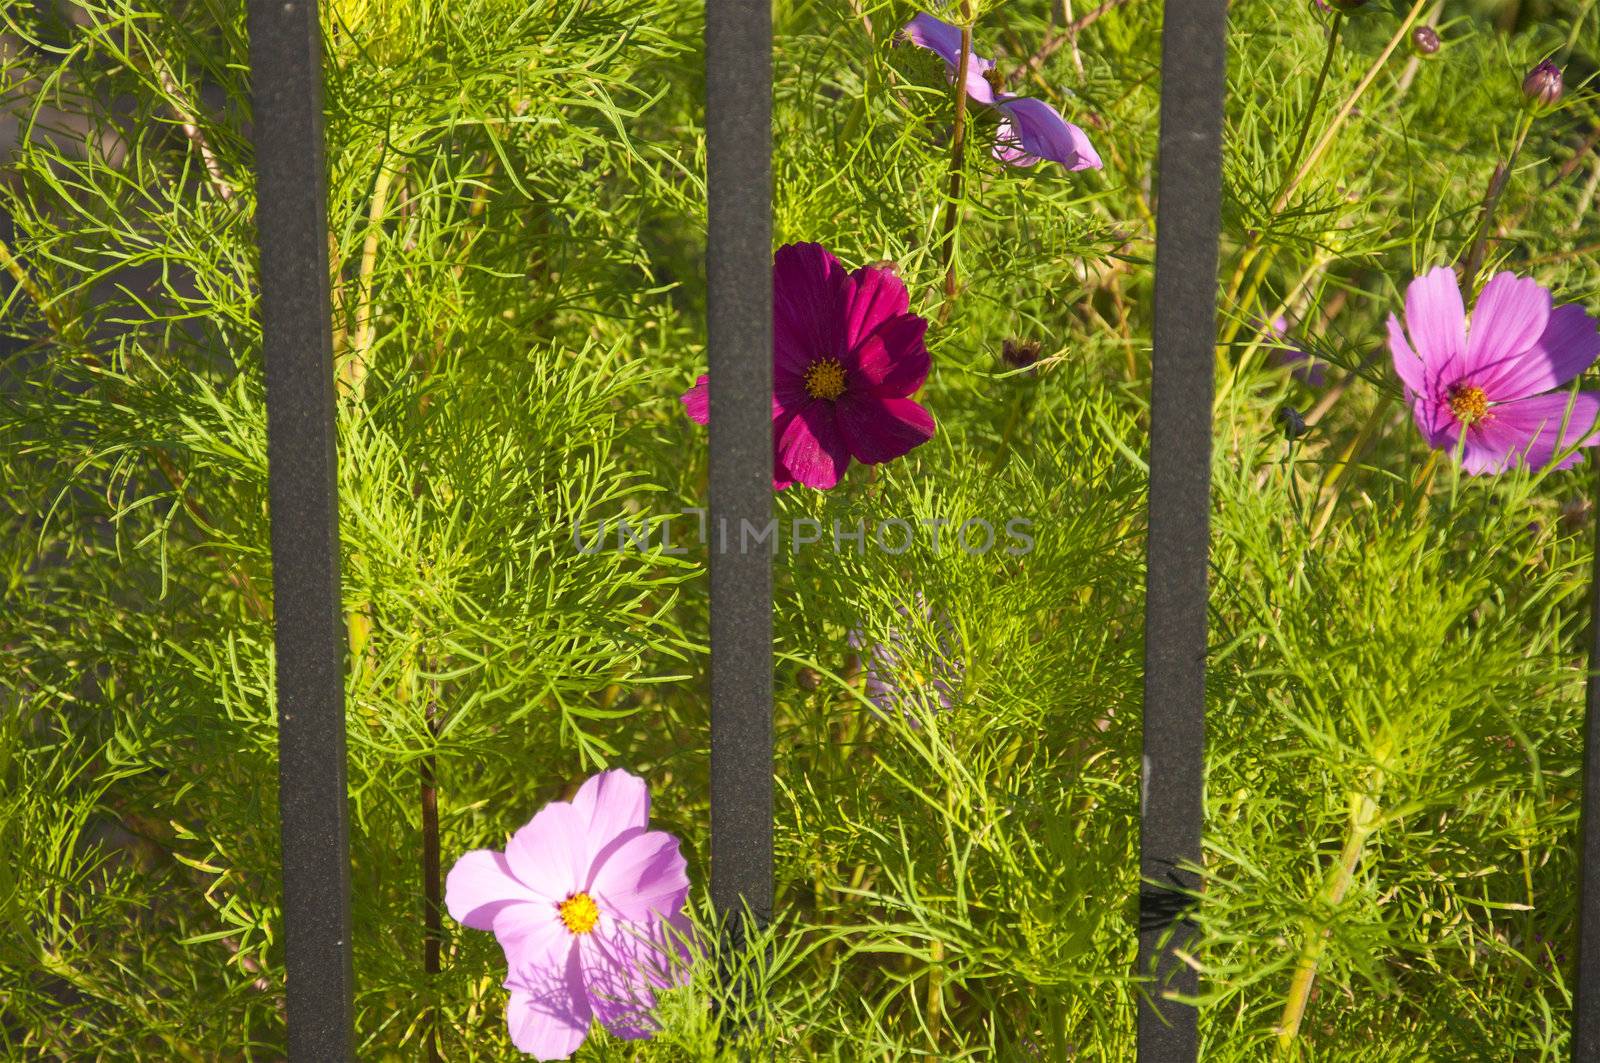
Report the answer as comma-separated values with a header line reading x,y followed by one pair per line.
x,y
1363,821
1491,205
19,273
1316,93
1309,163
1350,102
958,143
432,924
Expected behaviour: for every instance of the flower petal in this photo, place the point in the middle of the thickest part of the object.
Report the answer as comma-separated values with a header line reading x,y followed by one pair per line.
x,y
641,876
1509,318
812,448
944,40
551,854
808,292
1437,322
612,802
1038,131
893,361
878,429
532,937
697,401
480,885
617,975
1529,432
1569,344
872,296
1407,366
549,1016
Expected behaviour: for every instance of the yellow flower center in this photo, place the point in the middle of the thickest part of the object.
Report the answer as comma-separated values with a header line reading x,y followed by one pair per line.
x,y
579,913
825,379
1469,404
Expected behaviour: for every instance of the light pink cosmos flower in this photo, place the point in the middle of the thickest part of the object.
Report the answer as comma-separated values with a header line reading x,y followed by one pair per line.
x,y
1030,130
588,904
847,355
1491,392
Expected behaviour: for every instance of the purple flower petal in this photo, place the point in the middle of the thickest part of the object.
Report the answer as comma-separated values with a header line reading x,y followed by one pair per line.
x,y
697,401
532,937
1437,322
1569,344
1509,318
1031,130
1529,432
617,976
812,448
642,877
872,297
480,885
1407,366
612,803
944,40
549,1018
551,854
808,287
882,429
893,361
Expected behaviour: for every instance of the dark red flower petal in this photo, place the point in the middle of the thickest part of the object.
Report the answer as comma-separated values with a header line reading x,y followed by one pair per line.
x,y
892,361
812,448
880,429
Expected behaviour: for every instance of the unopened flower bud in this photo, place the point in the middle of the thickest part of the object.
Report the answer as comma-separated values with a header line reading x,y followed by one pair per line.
x,y
1294,423
808,679
1019,354
1425,40
1544,85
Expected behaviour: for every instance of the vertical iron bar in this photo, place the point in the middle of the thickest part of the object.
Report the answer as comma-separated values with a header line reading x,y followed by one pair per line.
x,y
296,321
739,337
1188,221
1586,991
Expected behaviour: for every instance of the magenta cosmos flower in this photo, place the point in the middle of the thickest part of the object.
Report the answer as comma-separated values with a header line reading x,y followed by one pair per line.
x,y
588,904
1490,391
846,358
1030,129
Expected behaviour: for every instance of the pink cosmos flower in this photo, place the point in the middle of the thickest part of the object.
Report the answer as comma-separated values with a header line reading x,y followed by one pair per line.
x,y
1491,391
588,905
847,355
1030,129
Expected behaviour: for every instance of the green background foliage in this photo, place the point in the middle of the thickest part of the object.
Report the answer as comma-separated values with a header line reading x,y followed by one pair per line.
x,y
517,220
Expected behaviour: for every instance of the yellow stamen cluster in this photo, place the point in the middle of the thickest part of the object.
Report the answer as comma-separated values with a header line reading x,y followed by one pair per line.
x,y
1469,404
579,913
825,379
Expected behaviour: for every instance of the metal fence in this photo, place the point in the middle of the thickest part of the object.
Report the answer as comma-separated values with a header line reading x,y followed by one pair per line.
x,y
285,55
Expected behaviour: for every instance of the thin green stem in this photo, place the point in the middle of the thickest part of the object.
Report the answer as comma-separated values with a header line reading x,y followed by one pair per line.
x,y
1491,205
1316,94
24,279
958,143
1363,821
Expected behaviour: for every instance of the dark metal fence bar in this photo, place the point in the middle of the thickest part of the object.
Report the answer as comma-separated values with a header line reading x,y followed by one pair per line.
x,y
291,220
1586,993
1188,220
739,336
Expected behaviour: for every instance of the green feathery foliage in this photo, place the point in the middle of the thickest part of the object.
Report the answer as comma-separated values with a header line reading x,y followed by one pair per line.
x,y
516,229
